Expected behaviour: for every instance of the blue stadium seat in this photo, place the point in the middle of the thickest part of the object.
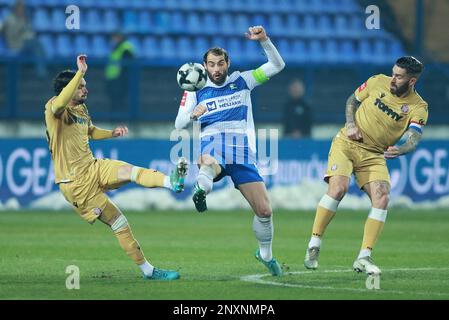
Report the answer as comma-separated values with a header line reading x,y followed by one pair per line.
x,y
171,4
257,20
49,44
100,47
156,4
138,4
193,23
93,22
64,46
357,25
161,22
150,47
381,55
138,51
331,51
285,50
111,21
299,52
7,2
209,24
121,4
82,45
252,51
200,46
145,25
316,51
41,20
178,22
275,25
396,50
309,26
284,6
365,51
168,48
130,23
341,25
235,49
293,25
184,49
324,26
347,52
241,24
218,41
226,23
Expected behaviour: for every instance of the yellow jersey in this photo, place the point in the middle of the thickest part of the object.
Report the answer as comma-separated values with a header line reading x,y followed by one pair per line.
x,y
68,140
383,117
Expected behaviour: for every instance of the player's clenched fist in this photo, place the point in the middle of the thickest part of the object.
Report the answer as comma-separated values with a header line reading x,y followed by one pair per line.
x,y
198,111
120,131
256,33
353,132
81,63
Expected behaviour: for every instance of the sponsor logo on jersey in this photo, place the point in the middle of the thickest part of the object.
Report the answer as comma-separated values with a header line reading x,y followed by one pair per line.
x,y
390,112
233,86
404,108
211,105
362,87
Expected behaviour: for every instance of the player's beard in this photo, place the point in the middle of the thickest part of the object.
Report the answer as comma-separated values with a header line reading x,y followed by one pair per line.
x,y
399,91
220,80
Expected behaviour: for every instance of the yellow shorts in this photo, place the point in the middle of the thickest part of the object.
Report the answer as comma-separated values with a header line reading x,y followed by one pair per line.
x,y
86,193
346,158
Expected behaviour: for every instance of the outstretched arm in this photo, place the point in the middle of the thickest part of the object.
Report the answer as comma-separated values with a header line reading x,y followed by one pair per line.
x,y
413,138
96,133
62,100
275,62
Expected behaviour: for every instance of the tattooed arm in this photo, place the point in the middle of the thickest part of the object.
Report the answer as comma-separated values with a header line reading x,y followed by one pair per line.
x,y
352,131
413,138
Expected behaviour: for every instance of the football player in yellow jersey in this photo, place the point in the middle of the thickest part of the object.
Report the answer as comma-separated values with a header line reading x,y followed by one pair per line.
x,y
83,179
378,114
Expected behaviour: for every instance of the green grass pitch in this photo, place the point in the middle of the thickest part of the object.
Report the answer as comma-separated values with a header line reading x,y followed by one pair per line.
x,y
214,253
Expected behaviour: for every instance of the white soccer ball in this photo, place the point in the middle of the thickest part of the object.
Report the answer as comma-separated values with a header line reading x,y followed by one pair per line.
x,y
192,76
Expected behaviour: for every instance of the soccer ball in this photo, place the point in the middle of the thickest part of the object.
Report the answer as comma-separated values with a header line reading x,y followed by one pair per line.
x,y
192,76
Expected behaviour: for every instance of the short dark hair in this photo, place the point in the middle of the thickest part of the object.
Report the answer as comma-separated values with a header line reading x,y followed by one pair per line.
x,y
62,79
216,51
412,65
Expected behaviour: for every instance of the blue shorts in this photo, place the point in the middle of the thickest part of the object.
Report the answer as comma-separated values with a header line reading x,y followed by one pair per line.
x,y
239,173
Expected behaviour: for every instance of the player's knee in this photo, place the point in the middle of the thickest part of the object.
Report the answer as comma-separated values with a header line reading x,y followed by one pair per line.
x,y
337,192
207,160
120,223
381,200
264,211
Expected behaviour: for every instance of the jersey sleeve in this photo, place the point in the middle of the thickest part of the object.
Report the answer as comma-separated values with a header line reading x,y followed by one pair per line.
x,y
188,103
362,92
254,78
419,118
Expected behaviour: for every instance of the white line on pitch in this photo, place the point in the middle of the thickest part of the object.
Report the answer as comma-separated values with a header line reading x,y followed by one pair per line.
x,y
257,278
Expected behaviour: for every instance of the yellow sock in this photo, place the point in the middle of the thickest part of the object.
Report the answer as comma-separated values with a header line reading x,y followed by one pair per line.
x,y
130,245
147,177
373,227
324,213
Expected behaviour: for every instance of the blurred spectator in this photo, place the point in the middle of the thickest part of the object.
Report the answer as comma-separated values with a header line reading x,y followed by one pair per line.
x,y
20,37
297,115
117,71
